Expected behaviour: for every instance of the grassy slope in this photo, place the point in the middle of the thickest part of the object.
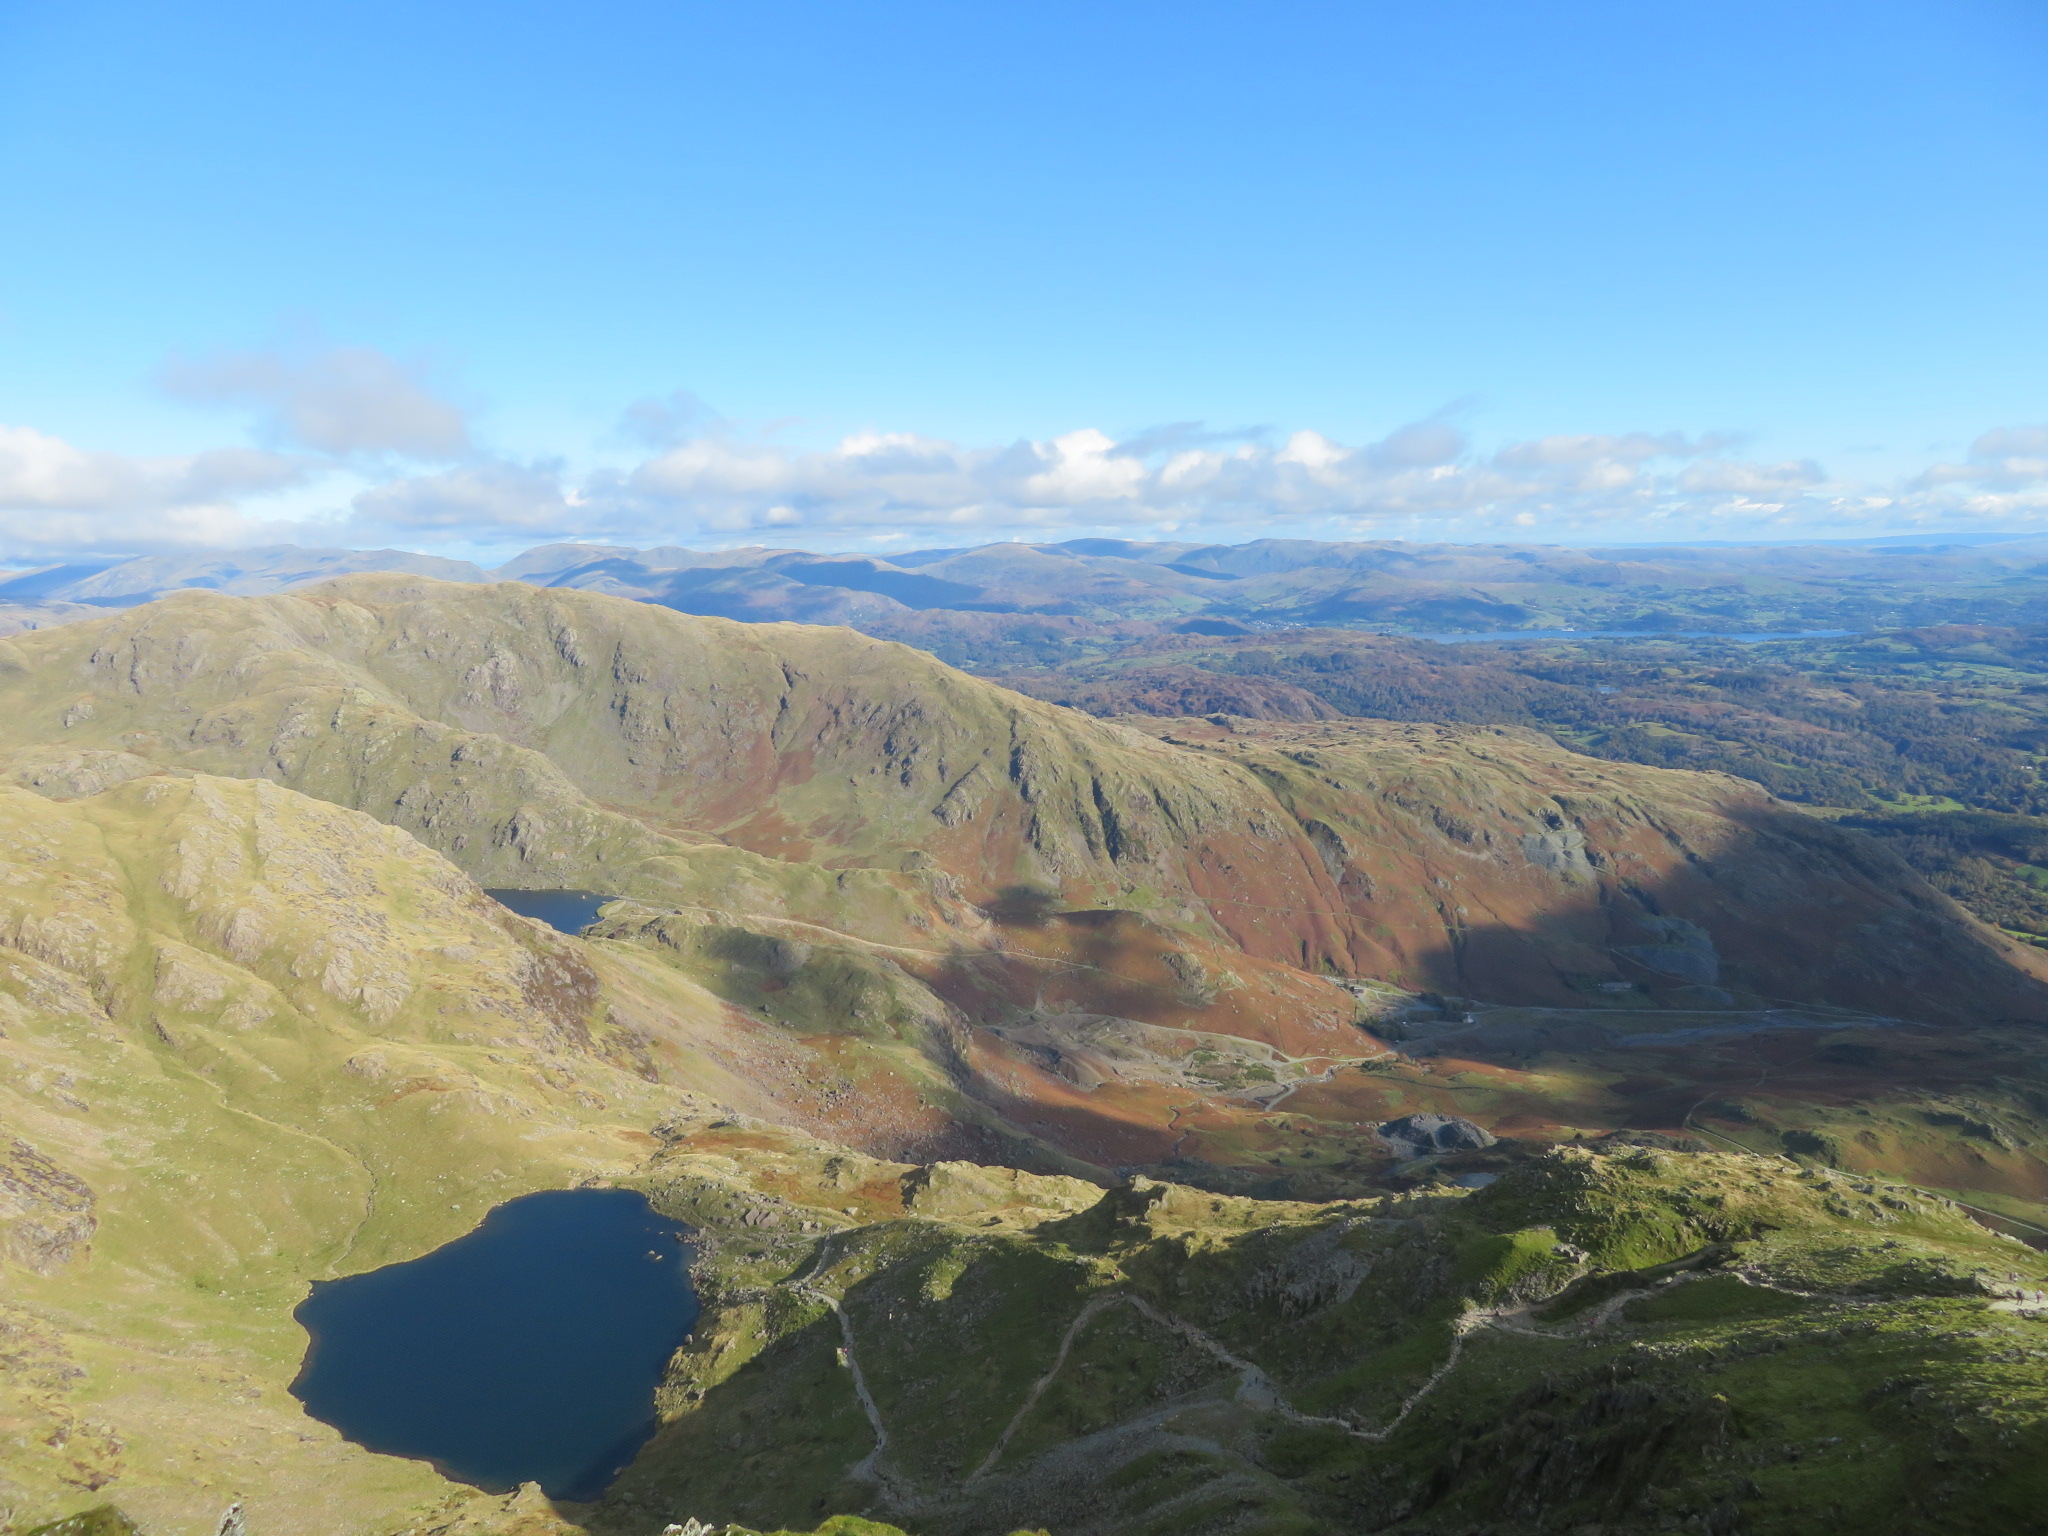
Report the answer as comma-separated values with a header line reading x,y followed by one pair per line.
x,y
549,738
1640,1337
274,1039
489,702
251,1040
542,737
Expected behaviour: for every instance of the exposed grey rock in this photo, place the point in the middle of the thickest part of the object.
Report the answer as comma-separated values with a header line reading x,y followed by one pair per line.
x,y
61,774
1316,1273
1426,1135
1686,953
1330,847
1561,851
46,1214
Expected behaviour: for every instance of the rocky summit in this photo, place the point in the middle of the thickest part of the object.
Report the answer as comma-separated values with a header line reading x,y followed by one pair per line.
x,y
1172,1123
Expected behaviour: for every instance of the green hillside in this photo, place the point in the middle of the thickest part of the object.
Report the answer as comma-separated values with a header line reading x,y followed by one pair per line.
x,y
1616,1336
1028,1128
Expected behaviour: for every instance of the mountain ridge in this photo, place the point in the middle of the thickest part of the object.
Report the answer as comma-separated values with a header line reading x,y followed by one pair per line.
x,y
564,738
1049,1070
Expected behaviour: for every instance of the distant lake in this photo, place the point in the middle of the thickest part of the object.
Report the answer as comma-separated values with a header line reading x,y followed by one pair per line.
x,y
569,911
1495,636
527,1351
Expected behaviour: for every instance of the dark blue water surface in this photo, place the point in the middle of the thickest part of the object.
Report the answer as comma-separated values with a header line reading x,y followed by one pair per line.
x,y
527,1351
569,911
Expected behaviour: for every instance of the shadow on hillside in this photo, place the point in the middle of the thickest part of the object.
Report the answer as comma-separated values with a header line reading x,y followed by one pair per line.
x,y
950,1334
1744,964
1022,906
769,1446
1794,911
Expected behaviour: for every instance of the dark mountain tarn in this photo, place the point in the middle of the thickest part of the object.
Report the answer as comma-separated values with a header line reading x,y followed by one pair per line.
x,y
527,1351
567,912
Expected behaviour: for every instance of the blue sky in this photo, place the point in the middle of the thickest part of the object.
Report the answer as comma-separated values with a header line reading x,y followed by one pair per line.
x,y
471,276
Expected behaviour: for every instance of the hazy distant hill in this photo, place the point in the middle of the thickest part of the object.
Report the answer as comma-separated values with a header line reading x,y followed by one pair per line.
x,y
1416,587
122,583
994,603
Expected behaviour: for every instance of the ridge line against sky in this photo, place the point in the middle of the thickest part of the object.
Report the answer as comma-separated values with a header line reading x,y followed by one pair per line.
x,y
1587,272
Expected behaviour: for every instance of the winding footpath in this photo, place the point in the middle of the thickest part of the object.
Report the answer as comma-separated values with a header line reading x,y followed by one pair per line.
x,y
1256,1390
869,1468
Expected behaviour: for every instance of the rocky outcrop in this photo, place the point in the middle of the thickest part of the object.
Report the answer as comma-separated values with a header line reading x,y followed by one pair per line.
x,y
46,1214
1428,1135
100,1520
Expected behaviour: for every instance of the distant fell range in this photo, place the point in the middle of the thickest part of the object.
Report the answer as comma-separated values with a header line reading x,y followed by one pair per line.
x,y
1009,604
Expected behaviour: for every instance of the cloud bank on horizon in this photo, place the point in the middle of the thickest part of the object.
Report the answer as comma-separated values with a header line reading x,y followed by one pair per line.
x,y
397,462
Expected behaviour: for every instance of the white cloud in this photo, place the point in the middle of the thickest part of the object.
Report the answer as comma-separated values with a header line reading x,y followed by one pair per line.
x,y
477,498
1181,478
1760,482
1421,481
343,401
1423,445
58,497
1312,451
2011,456
2011,442
2006,479
353,412
41,471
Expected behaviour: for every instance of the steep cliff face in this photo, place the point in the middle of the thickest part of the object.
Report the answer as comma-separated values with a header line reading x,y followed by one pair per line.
x,y
1489,862
553,737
